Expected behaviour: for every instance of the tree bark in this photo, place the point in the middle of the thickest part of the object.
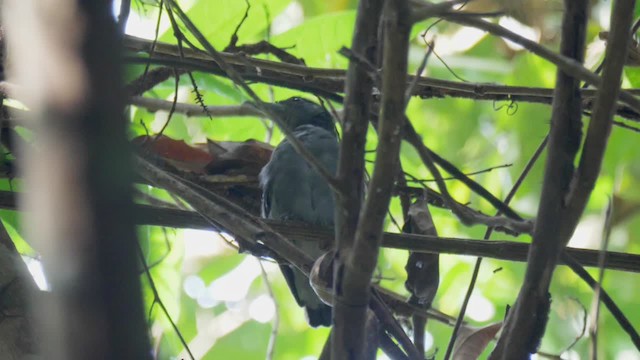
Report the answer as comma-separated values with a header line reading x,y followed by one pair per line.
x,y
66,54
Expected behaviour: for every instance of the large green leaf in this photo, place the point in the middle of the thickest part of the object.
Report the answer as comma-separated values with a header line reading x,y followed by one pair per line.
x,y
318,39
218,19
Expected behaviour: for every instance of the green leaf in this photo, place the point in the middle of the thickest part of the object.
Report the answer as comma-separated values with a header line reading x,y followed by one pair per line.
x,y
318,39
217,20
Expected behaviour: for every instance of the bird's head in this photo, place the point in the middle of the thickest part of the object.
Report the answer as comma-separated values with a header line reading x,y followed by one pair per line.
x,y
297,111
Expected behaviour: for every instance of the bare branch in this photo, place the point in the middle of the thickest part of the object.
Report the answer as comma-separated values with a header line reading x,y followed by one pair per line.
x,y
498,249
153,105
347,338
423,10
601,119
328,82
567,64
526,322
78,176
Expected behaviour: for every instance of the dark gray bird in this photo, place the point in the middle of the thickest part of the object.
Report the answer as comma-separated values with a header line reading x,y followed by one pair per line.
x,y
292,190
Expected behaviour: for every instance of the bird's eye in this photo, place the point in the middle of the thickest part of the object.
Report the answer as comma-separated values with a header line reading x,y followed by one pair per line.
x,y
296,99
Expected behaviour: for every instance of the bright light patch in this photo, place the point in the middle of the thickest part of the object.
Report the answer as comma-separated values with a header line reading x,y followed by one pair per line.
x,y
205,301
627,355
428,340
588,233
603,14
145,26
262,309
234,285
461,41
520,29
202,243
573,355
291,17
193,286
36,270
480,308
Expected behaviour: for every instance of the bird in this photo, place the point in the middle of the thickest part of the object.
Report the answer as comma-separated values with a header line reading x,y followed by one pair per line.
x,y
293,191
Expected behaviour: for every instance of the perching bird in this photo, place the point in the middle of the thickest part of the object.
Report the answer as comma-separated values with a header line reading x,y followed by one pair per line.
x,y
293,190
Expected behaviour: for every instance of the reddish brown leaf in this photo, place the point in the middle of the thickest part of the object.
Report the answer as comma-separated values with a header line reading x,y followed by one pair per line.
x,y
176,152
245,158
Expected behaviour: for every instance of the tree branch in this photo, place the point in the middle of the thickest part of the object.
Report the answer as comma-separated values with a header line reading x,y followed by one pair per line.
x,y
354,277
496,249
78,173
601,119
567,64
526,322
328,82
347,343
153,105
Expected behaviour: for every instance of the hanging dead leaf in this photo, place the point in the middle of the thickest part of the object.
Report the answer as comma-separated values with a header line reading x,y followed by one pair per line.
x,y
423,275
472,342
321,277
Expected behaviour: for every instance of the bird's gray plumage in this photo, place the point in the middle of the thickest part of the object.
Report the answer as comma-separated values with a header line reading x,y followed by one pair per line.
x,y
292,190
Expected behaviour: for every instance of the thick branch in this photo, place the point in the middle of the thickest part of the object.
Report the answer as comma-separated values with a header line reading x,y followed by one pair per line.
x,y
347,343
328,82
526,321
353,289
496,249
79,176
601,119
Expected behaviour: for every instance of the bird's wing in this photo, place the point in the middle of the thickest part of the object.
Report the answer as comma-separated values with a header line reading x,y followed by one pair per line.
x,y
292,190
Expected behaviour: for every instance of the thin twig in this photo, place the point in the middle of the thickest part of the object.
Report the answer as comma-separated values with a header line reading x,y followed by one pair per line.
x,y
171,111
156,298
234,37
593,332
476,270
271,347
191,110
428,157
606,299
152,50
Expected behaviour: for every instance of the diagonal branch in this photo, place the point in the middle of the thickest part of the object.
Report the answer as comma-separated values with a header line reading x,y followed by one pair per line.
x,y
567,64
606,299
601,118
238,80
428,157
559,211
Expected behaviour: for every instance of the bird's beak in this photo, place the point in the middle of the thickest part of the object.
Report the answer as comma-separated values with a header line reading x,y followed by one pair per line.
x,y
274,108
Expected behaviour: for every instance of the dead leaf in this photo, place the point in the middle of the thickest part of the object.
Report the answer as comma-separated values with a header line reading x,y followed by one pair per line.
x,y
423,274
241,158
176,152
472,342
